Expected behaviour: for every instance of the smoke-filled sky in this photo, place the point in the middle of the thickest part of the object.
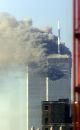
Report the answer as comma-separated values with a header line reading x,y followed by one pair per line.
x,y
18,42
43,12
19,46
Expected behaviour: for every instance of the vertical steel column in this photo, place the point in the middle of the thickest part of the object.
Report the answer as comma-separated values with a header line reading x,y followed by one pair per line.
x,y
76,63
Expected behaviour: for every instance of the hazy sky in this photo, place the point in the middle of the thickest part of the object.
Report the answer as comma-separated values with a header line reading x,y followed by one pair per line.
x,y
43,12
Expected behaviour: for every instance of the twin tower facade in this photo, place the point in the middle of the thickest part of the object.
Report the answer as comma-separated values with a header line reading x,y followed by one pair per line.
x,y
57,86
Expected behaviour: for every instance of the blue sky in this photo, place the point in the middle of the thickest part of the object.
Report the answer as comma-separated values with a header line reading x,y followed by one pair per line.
x,y
43,13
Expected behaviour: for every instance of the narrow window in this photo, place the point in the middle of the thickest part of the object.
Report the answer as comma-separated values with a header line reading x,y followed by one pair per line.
x,y
46,120
46,128
46,107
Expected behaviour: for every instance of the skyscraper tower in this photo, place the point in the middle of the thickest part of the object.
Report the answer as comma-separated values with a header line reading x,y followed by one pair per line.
x,y
35,87
51,88
59,80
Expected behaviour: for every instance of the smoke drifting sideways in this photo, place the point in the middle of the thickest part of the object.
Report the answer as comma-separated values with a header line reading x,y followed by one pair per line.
x,y
19,42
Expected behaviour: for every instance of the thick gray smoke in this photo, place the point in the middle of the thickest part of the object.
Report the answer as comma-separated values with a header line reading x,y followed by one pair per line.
x,y
19,42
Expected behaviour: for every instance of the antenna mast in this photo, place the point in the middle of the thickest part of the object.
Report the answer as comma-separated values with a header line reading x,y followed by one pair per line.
x,y
58,37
